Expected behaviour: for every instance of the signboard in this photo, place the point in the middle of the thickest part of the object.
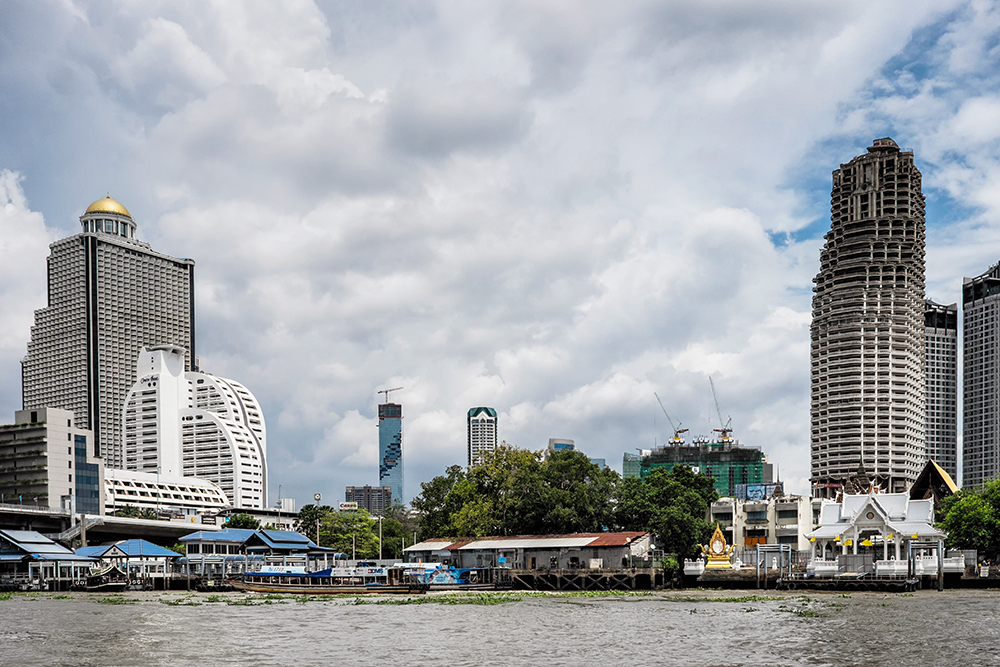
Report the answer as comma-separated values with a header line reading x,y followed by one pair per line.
x,y
283,569
348,506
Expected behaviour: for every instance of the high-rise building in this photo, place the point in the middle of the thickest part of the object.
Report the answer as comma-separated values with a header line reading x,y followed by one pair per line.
x,y
193,424
868,406
390,448
482,424
559,444
45,461
941,352
374,499
981,378
109,295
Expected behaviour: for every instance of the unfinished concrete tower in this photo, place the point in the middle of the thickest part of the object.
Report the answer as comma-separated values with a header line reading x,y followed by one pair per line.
x,y
868,404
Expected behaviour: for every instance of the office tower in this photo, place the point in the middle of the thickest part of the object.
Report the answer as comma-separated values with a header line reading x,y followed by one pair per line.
x,y
45,462
868,407
374,499
390,448
981,378
109,294
482,423
941,352
193,424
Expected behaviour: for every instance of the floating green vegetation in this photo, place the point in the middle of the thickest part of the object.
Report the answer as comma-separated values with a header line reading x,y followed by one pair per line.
x,y
6,596
180,603
844,595
242,602
62,597
802,613
115,599
906,595
215,598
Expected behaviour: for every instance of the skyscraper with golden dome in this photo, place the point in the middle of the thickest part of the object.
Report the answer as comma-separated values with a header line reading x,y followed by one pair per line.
x,y
109,295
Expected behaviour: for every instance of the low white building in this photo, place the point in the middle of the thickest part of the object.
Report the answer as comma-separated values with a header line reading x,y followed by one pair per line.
x,y
194,424
780,519
165,494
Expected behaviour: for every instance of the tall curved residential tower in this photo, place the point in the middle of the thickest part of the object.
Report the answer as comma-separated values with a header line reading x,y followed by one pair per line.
x,y
867,330
109,295
194,424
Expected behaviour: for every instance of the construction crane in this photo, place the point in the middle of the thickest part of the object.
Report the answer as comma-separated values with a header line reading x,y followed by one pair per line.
x,y
386,392
677,439
725,430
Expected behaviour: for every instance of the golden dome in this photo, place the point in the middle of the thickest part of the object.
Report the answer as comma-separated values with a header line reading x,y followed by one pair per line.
x,y
108,205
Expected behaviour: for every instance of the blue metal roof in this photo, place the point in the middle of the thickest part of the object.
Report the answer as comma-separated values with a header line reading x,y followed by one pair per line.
x,y
137,548
37,546
237,535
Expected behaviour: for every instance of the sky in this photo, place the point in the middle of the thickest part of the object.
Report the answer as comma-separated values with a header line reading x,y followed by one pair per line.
x,y
551,208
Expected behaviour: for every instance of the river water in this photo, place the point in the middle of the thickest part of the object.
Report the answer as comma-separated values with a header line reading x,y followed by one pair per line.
x,y
959,627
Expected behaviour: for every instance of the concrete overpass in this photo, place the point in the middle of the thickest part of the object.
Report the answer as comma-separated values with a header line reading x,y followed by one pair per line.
x,y
61,526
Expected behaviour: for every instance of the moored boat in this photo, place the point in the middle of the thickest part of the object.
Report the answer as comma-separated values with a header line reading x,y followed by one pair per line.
x,y
107,579
344,581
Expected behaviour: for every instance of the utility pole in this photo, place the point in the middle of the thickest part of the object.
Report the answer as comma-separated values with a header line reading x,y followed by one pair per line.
x,y
380,539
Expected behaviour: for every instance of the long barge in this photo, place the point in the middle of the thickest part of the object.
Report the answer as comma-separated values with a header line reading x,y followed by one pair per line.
x,y
329,582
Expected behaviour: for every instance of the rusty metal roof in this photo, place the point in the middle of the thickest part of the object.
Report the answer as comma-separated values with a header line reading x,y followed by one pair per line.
x,y
573,540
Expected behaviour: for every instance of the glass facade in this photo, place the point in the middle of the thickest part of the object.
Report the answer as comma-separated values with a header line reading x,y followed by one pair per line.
x,y
390,448
88,480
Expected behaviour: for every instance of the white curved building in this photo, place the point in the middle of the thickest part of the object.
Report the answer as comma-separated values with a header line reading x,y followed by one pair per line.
x,y
194,424
162,493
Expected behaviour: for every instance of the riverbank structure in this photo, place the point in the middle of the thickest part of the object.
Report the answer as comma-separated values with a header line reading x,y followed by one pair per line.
x,y
193,424
867,334
981,378
109,294
46,460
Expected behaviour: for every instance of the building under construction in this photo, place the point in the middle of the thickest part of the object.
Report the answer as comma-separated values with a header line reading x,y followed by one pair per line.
x,y
722,459
867,350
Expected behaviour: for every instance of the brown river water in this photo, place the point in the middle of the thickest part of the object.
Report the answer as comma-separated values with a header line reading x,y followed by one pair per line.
x,y
959,627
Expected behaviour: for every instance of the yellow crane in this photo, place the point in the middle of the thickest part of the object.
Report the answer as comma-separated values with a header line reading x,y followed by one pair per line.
x,y
677,439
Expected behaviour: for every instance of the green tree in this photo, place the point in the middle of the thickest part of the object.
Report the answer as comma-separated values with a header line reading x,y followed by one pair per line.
x,y
129,511
971,518
305,521
242,521
353,531
576,496
435,504
672,504
179,548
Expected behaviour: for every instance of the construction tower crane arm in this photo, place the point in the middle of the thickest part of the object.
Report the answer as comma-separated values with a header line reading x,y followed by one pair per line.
x,y
725,430
386,392
677,427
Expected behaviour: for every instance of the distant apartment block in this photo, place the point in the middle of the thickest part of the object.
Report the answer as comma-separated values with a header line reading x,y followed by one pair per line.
x,y
109,295
390,448
46,460
560,444
981,378
482,431
941,351
867,335
374,499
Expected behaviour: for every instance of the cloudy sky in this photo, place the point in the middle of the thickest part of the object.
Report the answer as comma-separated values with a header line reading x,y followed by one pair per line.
x,y
553,208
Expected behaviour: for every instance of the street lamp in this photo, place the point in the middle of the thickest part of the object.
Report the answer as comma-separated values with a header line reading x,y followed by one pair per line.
x,y
380,539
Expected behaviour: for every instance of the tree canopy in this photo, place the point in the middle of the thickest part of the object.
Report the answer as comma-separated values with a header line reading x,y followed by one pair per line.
x,y
356,532
672,504
972,518
518,492
242,521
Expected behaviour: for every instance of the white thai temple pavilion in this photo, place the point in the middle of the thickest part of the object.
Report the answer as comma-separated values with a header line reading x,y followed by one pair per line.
x,y
882,525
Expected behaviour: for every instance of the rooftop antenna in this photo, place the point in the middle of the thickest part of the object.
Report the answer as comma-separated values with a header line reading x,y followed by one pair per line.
x,y
386,392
